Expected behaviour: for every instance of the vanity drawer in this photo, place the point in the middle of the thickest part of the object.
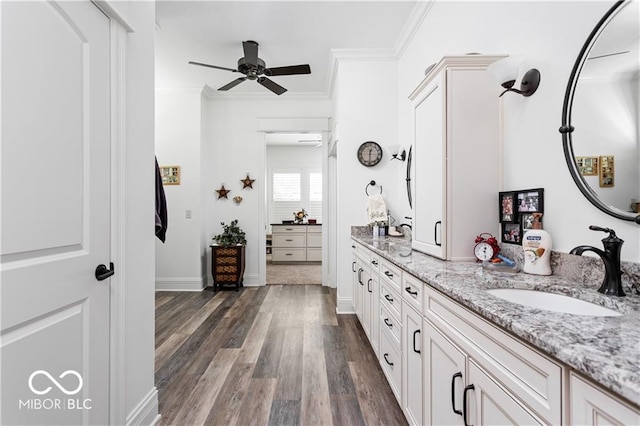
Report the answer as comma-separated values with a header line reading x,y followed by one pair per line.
x,y
291,229
412,291
314,240
391,324
293,240
391,273
374,262
390,299
288,254
314,255
360,251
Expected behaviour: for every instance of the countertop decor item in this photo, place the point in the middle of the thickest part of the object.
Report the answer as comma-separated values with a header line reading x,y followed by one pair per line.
x,y
298,217
222,192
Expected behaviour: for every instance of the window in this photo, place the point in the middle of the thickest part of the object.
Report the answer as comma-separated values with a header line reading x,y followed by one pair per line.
x,y
286,186
293,190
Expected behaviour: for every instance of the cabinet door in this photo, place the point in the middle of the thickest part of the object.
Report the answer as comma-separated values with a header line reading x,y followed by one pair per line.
x,y
412,364
444,378
591,406
367,291
358,271
489,404
374,336
429,158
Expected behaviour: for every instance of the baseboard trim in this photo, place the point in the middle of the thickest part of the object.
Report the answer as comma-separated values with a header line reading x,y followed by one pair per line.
x,y
179,284
146,412
345,306
252,280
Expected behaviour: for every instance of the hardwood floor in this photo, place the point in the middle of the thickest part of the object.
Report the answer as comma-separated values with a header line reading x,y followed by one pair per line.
x,y
275,355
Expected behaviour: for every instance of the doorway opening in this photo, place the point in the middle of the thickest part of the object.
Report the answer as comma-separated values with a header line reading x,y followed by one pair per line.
x,y
294,207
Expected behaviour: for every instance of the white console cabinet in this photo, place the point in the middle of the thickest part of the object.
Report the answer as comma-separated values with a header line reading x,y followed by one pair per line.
x,y
296,243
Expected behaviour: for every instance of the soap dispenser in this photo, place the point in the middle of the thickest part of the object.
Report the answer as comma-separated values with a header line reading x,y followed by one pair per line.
x,y
537,249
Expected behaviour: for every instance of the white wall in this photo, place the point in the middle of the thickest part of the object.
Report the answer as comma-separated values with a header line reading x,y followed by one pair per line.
x,y
365,108
238,148
549,35
178,142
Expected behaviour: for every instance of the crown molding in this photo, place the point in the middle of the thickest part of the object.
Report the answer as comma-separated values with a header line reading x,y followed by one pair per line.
x,y
417,16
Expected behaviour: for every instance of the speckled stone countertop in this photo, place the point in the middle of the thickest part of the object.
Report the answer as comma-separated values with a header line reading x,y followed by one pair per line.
x,y
606,349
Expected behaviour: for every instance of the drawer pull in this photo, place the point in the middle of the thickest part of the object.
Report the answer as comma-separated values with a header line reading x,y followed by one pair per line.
x,y
389,274
413,293
415,333
389,298
389,324
289,240
375,263
387,361
464,404
288,254
288,229
369,285
453,392
353,247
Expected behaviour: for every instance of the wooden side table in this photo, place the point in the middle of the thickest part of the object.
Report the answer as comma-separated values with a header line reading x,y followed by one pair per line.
x,y
227,265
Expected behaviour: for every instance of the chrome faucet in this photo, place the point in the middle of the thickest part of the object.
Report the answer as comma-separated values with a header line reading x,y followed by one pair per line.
x,y
612,284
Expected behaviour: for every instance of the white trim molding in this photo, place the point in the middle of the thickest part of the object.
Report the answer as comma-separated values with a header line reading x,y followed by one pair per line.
x,y
344,305
179,283
146,412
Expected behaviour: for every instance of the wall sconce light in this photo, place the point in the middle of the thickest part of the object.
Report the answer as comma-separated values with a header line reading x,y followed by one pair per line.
x,y
506,71
398,153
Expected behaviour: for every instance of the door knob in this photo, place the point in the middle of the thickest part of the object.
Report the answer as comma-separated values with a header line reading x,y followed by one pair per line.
x,y
102,272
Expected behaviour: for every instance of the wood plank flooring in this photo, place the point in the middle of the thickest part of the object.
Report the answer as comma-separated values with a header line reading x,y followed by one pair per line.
x,y
274,355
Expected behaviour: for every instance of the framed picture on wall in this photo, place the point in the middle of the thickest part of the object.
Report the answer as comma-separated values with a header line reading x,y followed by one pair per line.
x,y
588,166
506,207
607,171
170,175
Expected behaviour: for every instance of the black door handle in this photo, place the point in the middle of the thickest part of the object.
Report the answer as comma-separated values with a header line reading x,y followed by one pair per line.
x,y
387,360
408,290
389,274
453,392
389,298
464,404
369,285
389,324
414,341
102,272
353,266
435,233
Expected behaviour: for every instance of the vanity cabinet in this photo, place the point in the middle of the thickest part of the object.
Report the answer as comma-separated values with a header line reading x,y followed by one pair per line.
x,y
456,150
366,292
412,364
592,406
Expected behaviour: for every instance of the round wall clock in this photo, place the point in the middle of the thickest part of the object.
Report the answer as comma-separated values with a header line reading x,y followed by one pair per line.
x,y
369,154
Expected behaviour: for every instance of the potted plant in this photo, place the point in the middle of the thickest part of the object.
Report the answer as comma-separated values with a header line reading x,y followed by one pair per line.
x,y
228,256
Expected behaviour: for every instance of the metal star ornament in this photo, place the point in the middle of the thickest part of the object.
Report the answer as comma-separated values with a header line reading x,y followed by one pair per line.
x,y
222,192
247,182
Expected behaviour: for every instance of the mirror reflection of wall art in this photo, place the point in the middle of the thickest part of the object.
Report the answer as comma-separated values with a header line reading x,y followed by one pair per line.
x,y
170,175
588,166
607,174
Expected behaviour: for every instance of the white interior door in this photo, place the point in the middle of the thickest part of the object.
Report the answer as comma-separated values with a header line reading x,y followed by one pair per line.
x,y
55,213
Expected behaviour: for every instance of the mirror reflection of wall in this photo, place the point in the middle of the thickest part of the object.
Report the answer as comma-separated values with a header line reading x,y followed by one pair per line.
x,y
294,176
606,110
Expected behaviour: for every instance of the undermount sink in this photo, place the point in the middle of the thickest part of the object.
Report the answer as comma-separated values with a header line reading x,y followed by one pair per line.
x,y
552,302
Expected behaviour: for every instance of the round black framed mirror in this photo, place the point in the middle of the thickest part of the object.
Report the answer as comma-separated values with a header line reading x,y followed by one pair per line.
x,y
600,115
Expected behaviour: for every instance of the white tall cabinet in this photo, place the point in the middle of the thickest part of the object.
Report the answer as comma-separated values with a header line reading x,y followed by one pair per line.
x,y
456,153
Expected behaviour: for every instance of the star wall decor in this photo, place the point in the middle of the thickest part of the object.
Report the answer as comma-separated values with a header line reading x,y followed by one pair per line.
x,y
222,192
247,182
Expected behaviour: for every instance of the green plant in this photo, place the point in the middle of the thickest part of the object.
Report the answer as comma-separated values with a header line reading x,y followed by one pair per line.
x,y
231,235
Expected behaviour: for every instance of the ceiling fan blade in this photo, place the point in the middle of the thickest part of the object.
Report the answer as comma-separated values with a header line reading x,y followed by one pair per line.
x,y
290,70
272,85
250,52
234,83
212,66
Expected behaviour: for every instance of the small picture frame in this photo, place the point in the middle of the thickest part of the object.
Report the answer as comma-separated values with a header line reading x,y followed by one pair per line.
x,y
170,175
607,171
526,220
530,200
588,166
511,233
506,207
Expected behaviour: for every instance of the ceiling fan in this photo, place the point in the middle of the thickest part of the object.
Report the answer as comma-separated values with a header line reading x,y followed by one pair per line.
x,y
254,68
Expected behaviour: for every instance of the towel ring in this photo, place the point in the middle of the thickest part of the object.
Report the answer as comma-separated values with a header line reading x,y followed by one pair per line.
x,y
372,183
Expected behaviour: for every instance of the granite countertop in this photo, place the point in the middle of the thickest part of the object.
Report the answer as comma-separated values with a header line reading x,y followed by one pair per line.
x,y
606,349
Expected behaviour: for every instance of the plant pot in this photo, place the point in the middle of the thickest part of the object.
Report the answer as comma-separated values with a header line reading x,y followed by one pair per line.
x,y
227,265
